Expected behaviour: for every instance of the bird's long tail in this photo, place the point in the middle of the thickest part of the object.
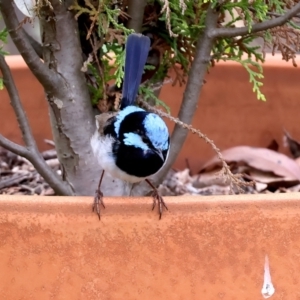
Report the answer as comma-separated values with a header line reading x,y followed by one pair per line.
x,y
137,49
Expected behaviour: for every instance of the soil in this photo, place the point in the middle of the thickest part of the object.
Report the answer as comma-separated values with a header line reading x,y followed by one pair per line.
x,y
19,177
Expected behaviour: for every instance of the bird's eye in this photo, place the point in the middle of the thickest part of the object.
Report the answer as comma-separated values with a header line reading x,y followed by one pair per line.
x,y
144,139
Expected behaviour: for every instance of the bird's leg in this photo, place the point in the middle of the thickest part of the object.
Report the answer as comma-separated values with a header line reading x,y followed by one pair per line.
x,y
157,198
98,199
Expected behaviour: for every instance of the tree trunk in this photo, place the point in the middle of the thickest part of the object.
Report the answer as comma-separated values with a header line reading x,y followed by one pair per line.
x,y
71,114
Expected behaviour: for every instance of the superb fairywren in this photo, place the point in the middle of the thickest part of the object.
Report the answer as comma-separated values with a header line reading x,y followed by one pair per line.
x,y
131,144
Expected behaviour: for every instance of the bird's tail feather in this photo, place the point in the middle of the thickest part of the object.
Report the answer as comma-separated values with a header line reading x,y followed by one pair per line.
x,y
137,49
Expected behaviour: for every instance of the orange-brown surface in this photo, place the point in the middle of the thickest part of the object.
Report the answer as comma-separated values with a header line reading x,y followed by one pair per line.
x,y
203,248
228,111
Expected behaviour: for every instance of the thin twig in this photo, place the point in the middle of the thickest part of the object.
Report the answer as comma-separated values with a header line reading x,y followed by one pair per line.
x,y
94,20
166,9
232,32
234,179
13,180
48,78
96,45
183,6
31,151
271,13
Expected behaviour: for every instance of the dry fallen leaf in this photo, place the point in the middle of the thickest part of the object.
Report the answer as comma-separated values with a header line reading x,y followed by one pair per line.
x,y
272,181
260,159
268,177
297,160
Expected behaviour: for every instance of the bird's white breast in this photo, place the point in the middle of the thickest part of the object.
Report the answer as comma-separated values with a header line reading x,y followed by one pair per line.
x,y
102,149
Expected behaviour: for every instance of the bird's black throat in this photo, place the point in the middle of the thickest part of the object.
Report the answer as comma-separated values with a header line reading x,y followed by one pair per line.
x,y
134,161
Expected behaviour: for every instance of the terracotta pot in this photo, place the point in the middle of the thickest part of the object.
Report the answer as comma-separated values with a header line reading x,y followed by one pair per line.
x,y
228,111
203,248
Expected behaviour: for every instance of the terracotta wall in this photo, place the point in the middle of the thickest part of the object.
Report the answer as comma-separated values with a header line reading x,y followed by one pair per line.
x,y
228,111
208,249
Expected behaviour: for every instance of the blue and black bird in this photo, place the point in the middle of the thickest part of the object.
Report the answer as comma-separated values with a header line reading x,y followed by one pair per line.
x,y
131,144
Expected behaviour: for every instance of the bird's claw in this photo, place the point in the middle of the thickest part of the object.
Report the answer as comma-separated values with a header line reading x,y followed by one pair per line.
x,y
98,200
161,203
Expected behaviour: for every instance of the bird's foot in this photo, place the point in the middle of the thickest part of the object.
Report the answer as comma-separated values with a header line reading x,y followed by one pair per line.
x,y
161,203
98,201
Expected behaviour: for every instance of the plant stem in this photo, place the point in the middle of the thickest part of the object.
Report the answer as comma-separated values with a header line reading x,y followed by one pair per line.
x,y
237,31
136,12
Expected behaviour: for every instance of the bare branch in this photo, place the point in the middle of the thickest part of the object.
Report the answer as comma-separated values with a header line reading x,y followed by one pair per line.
x,y
16,104
13,147
136,11
31,151
60,187
35,44
232,32
55,182
270,13
48,78
192,91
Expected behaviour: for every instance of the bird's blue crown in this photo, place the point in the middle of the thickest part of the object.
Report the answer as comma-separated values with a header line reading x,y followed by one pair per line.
x,y
157,131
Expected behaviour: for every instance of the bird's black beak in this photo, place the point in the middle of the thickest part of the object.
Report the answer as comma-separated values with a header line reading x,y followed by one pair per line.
x,y
160,154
